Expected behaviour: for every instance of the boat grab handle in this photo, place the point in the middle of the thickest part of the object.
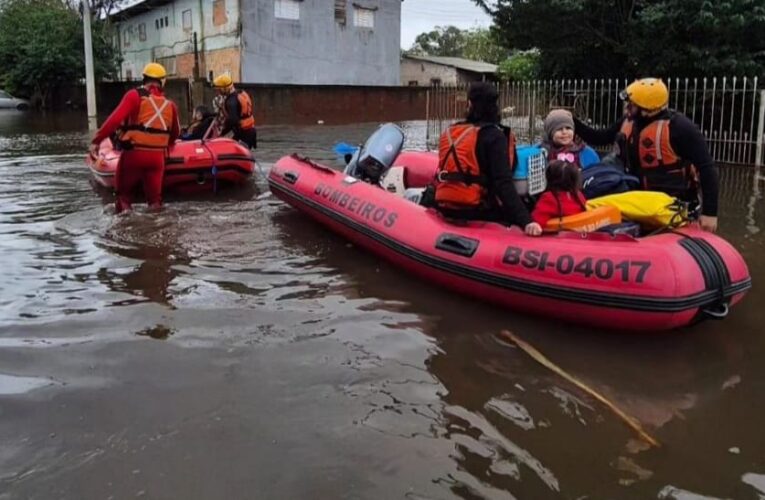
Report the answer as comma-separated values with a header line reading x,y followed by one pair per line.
x,y
290,177
456,244
720,312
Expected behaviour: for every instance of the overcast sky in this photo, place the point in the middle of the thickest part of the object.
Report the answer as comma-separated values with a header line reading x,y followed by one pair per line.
x,y
418,16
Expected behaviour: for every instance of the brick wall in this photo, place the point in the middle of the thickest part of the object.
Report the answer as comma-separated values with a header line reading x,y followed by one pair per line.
x,y
222,61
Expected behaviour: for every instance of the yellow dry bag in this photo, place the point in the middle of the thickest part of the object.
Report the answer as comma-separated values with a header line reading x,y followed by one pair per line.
x,y
650,209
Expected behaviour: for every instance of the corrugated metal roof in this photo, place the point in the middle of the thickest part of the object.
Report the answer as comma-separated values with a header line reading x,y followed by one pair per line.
x,y
135,7
457,62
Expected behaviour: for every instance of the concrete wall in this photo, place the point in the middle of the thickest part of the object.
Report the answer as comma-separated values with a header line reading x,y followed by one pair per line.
x,y
318,48
216,23
109,94
469,76
332,104
276,104
423,72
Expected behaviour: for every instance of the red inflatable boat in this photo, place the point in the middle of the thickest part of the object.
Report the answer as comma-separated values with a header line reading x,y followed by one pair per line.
x,y
657,282
188,167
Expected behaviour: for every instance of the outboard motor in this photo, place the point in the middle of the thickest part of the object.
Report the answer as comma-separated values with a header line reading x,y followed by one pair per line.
x,y
377,155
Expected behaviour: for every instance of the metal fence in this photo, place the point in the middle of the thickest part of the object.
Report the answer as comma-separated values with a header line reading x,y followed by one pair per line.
x,y
730,111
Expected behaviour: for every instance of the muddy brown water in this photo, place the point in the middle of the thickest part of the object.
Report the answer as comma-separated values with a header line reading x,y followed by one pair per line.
x,y
228,347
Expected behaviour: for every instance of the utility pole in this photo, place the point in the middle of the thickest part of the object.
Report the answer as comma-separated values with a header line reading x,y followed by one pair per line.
x,y
90,80
196,58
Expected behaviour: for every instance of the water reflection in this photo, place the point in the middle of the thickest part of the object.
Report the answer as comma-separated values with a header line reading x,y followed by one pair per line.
x,y
150,239
283,343
497,405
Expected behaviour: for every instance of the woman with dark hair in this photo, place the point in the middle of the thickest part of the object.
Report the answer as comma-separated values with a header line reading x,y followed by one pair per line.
x,y
202,119
475,180
563,196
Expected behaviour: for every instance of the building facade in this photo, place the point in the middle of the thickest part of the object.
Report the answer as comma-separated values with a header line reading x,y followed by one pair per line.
x,y
321,42
450,71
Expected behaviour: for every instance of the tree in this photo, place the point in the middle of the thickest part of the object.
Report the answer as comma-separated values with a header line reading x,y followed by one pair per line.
x,y
447,41
41,47
523,65
481,45
586,38
478,44
575,38
702,38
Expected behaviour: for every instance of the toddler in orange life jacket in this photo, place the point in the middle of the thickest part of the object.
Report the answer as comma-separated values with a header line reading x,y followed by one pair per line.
x,y
563,195
561,143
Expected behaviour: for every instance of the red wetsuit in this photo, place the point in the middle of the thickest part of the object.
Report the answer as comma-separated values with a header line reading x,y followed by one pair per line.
x,y
137,165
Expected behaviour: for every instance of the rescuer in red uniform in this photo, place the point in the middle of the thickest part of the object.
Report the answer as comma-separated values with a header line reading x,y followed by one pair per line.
x,y
146,123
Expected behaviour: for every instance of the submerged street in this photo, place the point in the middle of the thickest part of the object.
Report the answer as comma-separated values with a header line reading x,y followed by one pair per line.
x,y
229,347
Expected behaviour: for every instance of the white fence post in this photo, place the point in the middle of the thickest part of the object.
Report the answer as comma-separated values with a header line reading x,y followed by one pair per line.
x,y
760,131
427,119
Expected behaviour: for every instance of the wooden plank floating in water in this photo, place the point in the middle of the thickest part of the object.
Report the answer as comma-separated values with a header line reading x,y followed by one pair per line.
x,y
541,359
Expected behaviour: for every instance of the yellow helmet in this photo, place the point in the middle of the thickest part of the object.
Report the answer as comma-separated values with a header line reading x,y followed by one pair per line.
x,y
154,70
648,93
223,81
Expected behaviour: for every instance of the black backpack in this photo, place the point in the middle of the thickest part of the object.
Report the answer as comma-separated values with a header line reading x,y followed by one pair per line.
x,y
604,179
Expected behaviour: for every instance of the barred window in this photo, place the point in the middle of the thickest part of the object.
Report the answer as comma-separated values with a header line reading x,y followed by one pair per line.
x,y
363,18
287,9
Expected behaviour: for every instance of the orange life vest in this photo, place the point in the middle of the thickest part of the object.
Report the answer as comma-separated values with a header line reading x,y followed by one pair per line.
x,y
660,168
246,118
585,222
151,129
459,181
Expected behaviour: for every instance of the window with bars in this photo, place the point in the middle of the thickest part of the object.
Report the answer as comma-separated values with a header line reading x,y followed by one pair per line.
x,y
142,32
287,9
363,17
340,14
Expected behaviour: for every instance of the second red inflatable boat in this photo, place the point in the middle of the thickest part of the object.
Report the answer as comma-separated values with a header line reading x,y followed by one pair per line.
x,y
658,282
190,167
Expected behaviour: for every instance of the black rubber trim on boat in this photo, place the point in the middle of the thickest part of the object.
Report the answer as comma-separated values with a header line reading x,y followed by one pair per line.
x,y
717,260
602,299
456,244
174,160
711,263
707,267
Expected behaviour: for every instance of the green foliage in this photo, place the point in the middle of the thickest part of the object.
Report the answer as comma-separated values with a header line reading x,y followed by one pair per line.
x,y
41,47
446,41
702,38
482,45
523,65
449,41
585,38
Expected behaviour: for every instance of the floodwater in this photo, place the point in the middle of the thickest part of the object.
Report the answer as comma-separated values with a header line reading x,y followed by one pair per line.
x,y
228,347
